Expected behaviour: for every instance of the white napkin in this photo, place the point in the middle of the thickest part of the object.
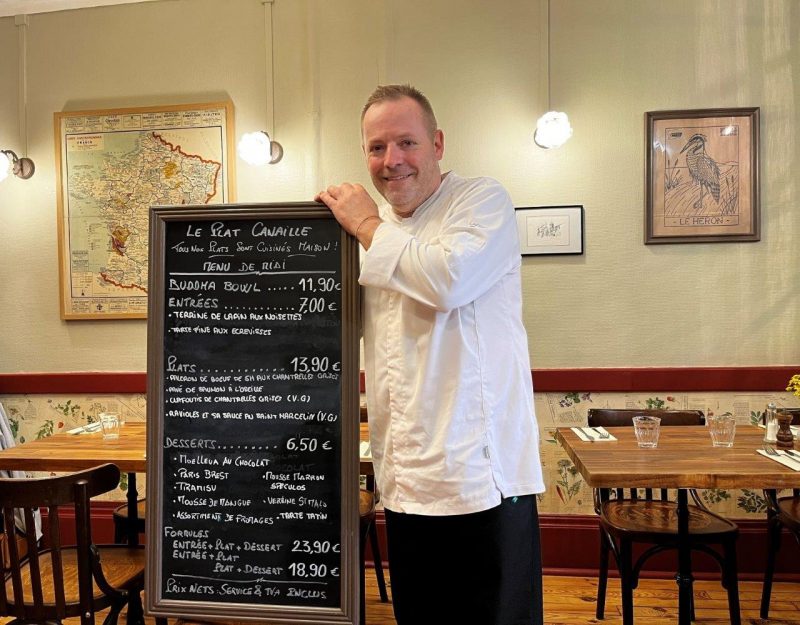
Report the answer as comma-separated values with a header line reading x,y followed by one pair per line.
x,y
588,435
89,427
787,461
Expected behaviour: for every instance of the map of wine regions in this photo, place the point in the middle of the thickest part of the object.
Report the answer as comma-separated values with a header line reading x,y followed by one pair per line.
x,y
115,165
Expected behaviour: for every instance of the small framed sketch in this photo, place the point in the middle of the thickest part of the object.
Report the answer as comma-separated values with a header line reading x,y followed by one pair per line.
x,y
701,176
545,230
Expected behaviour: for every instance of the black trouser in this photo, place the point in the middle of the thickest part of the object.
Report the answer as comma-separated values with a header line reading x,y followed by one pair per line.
x,y
471,569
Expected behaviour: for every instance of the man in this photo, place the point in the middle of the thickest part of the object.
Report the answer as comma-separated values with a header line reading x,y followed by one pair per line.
x,y
454,437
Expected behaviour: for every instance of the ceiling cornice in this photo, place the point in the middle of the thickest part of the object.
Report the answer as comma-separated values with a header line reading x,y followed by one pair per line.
x,y
29,7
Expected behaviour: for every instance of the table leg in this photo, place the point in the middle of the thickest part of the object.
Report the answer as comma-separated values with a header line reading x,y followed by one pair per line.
x,y
684,576
133,511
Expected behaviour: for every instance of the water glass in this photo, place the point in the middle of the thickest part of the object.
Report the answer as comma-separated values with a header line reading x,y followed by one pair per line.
x,y
722,429
646,429
110,424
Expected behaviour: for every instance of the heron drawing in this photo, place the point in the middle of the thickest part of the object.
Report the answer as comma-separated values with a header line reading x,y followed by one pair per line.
x,y
702,168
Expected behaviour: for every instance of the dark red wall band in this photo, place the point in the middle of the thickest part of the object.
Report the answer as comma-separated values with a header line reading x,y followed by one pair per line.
x,y
664,379
544,380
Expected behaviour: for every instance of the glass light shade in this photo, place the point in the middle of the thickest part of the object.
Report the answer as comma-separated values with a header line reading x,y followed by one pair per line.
x,y
552,130
5,166
255,148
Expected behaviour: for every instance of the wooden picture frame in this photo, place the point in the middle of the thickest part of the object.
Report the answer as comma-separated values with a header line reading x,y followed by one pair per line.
x,y
550,230
253,415
111,166
702,176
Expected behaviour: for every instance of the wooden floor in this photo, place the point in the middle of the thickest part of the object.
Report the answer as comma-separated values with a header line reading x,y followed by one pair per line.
x,y
571,601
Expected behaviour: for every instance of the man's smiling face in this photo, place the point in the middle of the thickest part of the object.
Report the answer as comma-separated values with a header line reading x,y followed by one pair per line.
x,y
403,153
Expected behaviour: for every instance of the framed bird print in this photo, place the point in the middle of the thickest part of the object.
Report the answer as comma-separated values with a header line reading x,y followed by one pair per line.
x,y
701,176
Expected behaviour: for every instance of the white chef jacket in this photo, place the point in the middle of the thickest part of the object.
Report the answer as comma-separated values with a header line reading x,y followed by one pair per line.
x,y
449,393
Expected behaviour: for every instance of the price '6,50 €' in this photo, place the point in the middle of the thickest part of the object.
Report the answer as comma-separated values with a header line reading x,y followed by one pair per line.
x,y
307,443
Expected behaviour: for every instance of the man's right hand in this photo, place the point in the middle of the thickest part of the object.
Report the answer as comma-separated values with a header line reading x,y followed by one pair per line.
x,y
354,209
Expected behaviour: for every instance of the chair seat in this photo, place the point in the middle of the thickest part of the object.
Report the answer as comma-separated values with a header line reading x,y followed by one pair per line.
x,y
122,566
789,511
141,510
651,519
366,510
122,525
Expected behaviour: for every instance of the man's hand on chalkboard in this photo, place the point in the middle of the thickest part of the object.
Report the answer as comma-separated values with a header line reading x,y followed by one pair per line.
x,y
354,209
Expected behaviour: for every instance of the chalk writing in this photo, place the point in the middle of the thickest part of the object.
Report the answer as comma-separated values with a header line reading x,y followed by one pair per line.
x,y
251,424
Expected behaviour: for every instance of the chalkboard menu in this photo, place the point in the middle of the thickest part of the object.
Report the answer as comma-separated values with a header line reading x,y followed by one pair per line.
x,y
252,414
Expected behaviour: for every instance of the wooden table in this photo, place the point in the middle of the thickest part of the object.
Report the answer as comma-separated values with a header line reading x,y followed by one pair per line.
x,y
76,452
683,459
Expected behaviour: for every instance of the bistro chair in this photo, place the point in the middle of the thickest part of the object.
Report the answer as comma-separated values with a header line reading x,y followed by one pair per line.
x,y
22,548
366,515
649,517
782,512
74,578
377,560
121,520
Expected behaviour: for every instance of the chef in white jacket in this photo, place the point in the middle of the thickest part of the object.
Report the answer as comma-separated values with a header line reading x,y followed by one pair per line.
x,y
452,427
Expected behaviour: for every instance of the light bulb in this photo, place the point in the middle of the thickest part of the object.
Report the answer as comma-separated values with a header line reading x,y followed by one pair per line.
x,y
255,148
552,130
5,166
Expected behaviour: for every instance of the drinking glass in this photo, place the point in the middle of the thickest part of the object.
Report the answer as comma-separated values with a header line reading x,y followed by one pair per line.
x,y
722,429
646,429
110,424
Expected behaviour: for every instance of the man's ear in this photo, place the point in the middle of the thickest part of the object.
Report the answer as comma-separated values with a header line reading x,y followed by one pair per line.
x,y
438,144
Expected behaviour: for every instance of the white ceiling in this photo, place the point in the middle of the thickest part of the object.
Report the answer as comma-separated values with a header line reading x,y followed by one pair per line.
x,y
28,7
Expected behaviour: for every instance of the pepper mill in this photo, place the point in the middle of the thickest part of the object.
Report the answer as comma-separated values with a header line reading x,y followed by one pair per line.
x,y
785,436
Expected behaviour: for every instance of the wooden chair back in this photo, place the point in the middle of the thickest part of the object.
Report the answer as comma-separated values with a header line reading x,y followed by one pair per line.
x,y
27,601
620,417
623,417
795,412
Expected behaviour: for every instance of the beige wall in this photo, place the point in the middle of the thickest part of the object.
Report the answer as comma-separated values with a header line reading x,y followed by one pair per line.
x,y
482,64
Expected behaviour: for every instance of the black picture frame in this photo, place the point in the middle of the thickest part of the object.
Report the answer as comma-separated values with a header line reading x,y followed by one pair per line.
x,y
550,230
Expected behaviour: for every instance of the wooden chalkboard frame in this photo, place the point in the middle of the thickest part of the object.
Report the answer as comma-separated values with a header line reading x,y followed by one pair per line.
x,y
155,603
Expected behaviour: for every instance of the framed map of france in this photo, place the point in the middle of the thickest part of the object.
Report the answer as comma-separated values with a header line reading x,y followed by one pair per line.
x,y
111,167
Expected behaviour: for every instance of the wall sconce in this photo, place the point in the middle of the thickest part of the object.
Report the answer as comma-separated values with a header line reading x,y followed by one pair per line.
x,y
258,148
11,163
552,129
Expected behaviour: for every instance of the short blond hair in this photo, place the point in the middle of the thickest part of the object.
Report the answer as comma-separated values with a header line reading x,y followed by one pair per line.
x,y
384,93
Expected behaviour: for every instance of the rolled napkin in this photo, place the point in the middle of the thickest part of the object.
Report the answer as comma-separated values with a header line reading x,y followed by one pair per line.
x,y
89,427
590,435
